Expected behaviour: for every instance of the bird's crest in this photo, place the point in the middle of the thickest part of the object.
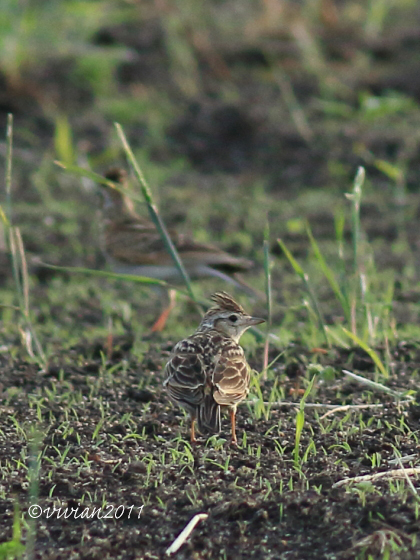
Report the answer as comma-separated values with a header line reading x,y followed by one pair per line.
x,y
225,302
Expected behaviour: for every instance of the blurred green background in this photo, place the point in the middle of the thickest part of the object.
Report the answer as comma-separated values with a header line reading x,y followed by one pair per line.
x,y
240,113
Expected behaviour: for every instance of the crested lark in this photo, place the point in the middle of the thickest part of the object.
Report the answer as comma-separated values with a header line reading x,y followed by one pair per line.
x,y
208,370
133,245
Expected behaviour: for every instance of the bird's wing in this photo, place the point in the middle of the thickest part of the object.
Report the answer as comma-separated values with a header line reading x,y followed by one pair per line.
x,y
231,377
185,379
210,255
139,243
136,244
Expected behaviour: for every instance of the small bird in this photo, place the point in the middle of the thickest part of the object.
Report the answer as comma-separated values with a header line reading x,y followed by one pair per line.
x,y
133,245
208,370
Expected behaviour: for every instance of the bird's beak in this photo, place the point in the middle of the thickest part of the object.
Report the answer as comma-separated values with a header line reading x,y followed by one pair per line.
x,y
251,321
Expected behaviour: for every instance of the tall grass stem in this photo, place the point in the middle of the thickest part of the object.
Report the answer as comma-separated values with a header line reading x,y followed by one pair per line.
x,y
155,216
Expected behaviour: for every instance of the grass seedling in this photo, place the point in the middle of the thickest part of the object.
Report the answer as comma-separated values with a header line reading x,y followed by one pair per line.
x,y
300,421
268,296
13,548
33,477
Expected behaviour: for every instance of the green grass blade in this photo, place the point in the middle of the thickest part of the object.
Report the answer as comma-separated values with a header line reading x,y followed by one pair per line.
x,y
106,274
96,178
267,274
8,177
300,422
295,265
339,224
328,274
372,354
13,548
154,214
268,295
355,196
3,217
300,419
259,335
63,139
305,278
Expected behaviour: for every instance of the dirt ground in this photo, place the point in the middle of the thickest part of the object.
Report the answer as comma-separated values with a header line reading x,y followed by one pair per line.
x,y
258,501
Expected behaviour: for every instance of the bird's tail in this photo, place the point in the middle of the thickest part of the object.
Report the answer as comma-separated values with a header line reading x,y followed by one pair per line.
x,y
208,416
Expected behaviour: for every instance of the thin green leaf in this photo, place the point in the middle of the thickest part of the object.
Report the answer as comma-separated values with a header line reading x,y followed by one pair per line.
x,y
106,274
154,214
3,217
267,274
300,419
302,274
373,355
63,140
328,274
9,156
295,265
96,178
356,197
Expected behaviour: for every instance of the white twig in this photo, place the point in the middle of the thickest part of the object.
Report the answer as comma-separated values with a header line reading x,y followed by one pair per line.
x,y
405,459
395,473
332,407
185,533
344,407
278,404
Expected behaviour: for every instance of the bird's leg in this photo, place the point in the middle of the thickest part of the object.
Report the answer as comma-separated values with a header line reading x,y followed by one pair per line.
x,y
233,422
163,317
193,440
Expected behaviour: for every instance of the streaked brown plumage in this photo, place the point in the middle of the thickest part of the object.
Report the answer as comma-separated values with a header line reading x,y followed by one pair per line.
x,y
208,370
133,241
133,245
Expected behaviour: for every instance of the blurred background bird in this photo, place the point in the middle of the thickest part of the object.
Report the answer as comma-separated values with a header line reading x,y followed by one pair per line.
x,y
133,245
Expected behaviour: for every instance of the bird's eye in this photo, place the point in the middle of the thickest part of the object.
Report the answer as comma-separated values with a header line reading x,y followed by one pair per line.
x,y
233,318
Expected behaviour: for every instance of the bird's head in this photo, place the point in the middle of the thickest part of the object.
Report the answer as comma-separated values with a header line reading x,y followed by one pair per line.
x,y
115,202
228,317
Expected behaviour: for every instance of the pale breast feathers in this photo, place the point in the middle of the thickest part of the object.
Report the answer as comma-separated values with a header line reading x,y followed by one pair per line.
x,y
231,377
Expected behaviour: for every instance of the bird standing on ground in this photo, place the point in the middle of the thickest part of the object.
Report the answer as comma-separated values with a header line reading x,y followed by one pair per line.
x,y
133,245
208,370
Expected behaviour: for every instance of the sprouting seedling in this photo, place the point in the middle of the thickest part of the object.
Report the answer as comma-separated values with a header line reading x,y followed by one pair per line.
x,y
13,548
300,420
